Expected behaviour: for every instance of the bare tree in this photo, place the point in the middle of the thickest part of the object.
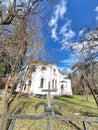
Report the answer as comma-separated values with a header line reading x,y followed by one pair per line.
x,y
88,50
14,52
19,9
20,43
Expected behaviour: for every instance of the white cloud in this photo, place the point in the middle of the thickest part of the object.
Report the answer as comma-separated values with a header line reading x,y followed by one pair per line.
x,y
82,46
70,61
62,8
59,11
65,45
61,68
68,70
53,32
65,69
65,27
66,33
96,18
96,9
62,33
81,31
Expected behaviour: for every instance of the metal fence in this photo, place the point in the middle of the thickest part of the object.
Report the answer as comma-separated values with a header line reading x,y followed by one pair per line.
x,y
49,112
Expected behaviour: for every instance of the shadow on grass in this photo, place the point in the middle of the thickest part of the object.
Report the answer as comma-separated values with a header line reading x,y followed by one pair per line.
x,y
89,114
77,128
74,103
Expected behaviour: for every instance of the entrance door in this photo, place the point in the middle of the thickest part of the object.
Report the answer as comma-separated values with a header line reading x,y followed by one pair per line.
x,y
62,89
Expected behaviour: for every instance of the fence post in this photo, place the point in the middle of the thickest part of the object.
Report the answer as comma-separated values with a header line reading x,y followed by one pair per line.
x,y
48,122
49,108
11,127
85,125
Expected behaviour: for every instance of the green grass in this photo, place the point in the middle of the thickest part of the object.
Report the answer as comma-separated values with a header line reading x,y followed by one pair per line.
x,y
70,107
77,104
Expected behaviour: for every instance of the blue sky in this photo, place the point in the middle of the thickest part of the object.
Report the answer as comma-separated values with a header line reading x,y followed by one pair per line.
x,y
67,22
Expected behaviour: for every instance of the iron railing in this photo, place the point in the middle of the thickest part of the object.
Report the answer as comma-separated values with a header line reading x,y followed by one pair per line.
x,y
49,112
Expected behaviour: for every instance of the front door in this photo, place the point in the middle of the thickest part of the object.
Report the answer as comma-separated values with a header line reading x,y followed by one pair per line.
x,y
62,89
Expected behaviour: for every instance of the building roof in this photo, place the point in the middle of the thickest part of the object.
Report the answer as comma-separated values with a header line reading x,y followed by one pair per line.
x,y
41,62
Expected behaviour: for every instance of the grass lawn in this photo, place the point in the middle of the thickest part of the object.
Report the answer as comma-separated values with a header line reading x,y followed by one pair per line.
x,y
70,107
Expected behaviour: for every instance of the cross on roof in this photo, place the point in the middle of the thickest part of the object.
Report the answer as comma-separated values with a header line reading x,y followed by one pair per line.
x,y
49,93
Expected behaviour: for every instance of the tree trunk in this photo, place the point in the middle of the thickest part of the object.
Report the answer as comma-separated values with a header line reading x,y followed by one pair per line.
x,y
85,90
91,90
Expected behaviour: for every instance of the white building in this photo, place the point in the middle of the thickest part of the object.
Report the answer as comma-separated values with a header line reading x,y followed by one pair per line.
x,y
43,76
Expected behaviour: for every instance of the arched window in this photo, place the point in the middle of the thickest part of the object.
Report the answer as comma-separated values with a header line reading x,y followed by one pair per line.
x,y
25,87
29,82
42,83
48,84
53,83
43,68
54,70
62,89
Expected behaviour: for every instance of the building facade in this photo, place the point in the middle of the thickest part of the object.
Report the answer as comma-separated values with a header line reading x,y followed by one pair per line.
x,y
43,76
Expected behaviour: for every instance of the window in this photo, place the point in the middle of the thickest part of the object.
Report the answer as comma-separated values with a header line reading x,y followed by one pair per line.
x,y
42,83
43,68
62,89
54,70
29,82
49,84
25,87
53,83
